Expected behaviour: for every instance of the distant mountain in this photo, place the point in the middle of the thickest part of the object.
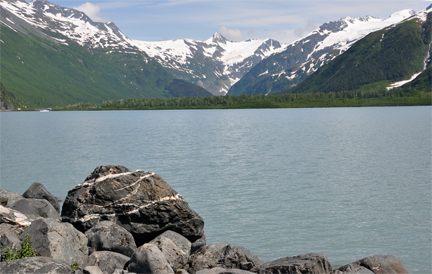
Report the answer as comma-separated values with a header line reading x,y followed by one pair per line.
x,y
53,56
300,59
392,54
215,64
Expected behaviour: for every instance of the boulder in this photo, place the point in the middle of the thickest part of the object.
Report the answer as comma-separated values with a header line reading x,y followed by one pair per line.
x,y
109,236
38,191
9,238
381,264
180,241
312,263
176,257
25,208
352,269
107,261
149,259
13,217
140,201
219,270
93,269
7,197
36,265
198,244
61,241
44,208
224,256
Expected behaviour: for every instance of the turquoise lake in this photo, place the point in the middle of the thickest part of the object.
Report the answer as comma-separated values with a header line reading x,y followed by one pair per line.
x,y
344,182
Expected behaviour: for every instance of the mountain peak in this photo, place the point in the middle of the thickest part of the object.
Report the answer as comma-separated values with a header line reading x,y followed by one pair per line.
x,y
218,38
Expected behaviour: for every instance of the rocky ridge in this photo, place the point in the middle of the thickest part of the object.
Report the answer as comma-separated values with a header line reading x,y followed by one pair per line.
x,y
113,209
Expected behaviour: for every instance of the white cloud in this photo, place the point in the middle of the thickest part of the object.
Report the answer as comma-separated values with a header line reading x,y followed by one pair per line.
x,y
231,34
91,10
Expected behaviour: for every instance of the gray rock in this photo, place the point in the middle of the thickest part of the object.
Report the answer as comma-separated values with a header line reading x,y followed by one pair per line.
x,y
381,264
9,238
224,256
7,197
180,241
149,259
110,237
219,270
38,191
140,201
13,217
25,208
44,208
198,244
107,261
36,265
61,241
181,271
93,269
176,257
352,269
312,263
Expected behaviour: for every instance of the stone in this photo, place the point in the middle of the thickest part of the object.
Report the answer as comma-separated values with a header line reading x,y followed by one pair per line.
x,y
176,257
312,263
92,269
109,236
44,208
36,265
9,238
107,261
25,208
61,241
149,259
352,269
382,264
38,191
181,271
180,241
219,270
224,256
7,197
141,202
198,244
13,217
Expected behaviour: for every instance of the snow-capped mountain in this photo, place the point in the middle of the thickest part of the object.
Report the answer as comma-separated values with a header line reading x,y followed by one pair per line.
x,y
303,57
215,64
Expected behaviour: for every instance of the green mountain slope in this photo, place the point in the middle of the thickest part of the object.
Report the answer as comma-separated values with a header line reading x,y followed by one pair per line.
x,y
383,57
41,73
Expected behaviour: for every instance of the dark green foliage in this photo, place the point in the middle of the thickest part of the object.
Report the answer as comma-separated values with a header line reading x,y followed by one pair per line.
x,y
41,73
422,83
181,88
74,266
25,251
389,55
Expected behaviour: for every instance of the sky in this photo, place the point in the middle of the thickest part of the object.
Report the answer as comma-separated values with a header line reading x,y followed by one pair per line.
x,y
237,20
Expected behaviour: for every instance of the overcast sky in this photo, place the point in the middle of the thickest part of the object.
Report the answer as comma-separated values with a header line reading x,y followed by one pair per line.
x,y
283,20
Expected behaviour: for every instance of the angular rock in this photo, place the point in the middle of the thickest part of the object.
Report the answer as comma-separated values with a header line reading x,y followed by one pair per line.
x,y
352,269
109,236
180,241
382,264
9,238
7,197
44,208
312,263
13,217
149,259
198,244
36,265
61,241
176,257
25,208
92,269
107,261
224,256
219,270
38,191
140,201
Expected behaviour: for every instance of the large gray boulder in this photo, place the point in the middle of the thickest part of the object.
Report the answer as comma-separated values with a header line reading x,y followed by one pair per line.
x,y
109,236
312,263
36,265
7,197
219,270
44,208
352,269
25,208
149,259
9,237
175,256
107,261
38,191
180,241
57,240
13,217
140,201
224,256
378,264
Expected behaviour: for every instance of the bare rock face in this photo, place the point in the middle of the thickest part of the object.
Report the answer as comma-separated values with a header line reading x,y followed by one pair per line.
x,y
149,259
378,264
312,263
141,202
36,265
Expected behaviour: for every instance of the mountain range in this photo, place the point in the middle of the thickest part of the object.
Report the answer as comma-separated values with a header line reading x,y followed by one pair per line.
x,y
55,56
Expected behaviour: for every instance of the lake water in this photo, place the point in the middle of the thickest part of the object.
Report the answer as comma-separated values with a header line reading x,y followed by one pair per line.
x,y
345,182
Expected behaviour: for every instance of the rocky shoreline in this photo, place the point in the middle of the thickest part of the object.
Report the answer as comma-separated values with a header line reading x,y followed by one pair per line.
x,y
120,221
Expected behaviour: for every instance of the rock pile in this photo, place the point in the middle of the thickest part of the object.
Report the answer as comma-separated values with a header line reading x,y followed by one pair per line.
x,y
118,221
